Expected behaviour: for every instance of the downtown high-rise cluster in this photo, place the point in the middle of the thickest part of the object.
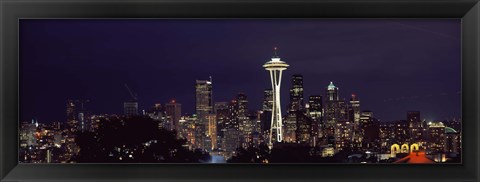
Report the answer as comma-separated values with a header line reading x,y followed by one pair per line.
x,y
327,123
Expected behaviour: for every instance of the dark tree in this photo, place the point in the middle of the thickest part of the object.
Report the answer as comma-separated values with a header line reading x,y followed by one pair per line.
x,y
282,153
135,139
250,155
291,153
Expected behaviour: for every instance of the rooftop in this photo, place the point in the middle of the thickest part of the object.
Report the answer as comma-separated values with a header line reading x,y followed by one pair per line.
x,y
331,86
414,158
450,130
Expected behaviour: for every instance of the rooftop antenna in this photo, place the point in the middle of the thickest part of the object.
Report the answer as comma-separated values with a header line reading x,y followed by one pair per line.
x,y
275,50
134,96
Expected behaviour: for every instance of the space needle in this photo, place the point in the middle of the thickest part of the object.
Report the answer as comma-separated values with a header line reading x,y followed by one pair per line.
x,y
275,67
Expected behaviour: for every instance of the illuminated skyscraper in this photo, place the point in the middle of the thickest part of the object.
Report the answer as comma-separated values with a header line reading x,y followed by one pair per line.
x,y
303,132
354,117
436,137
203,107
415,125
295,116
332,106
187,130
315,106
290,127
222,116
343,135
243,120
332,92
241,106
231,134
275,67
212,131
354,109
266,115
267,100
296,93
335,111
452,140
84,122
315,113
400,132
203,97
72,115
173,111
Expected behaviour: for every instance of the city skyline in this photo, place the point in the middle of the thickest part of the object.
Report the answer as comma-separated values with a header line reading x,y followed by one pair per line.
x,y
332,131
107,93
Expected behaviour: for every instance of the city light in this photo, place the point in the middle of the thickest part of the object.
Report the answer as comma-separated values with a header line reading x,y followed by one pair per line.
x,y
326,128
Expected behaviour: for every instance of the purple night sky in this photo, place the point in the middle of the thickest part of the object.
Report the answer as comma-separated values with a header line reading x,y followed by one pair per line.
x,y
392,65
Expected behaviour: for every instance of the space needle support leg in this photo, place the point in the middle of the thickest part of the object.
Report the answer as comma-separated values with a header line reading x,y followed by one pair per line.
x,y
279,120
273,109
275,104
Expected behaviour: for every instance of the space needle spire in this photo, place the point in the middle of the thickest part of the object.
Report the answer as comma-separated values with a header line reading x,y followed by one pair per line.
x,y
275,66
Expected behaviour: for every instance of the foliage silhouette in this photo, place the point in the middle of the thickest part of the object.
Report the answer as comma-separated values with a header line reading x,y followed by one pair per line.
x,y
250,155
283,153
135,139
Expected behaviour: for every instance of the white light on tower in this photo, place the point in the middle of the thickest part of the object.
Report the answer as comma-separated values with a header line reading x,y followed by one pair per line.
x,y
275,67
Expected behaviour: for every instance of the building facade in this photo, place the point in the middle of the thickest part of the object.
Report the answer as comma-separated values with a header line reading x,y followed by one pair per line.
x,y
173,111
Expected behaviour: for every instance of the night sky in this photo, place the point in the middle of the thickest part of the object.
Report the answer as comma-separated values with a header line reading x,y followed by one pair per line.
x,y
393,66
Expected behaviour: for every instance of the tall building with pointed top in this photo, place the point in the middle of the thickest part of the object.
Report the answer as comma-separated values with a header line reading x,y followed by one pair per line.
x,y
335,111
332,105
83,116
275,67
332,92
354,109
354,117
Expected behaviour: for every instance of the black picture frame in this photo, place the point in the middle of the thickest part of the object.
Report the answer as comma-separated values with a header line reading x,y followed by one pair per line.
x,y
12,10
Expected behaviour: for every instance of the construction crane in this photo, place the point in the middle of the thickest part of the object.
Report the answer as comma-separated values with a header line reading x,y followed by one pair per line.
x,y
134,96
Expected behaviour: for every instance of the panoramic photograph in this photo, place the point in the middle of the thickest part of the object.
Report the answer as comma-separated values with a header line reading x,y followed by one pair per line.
x,y
216,91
